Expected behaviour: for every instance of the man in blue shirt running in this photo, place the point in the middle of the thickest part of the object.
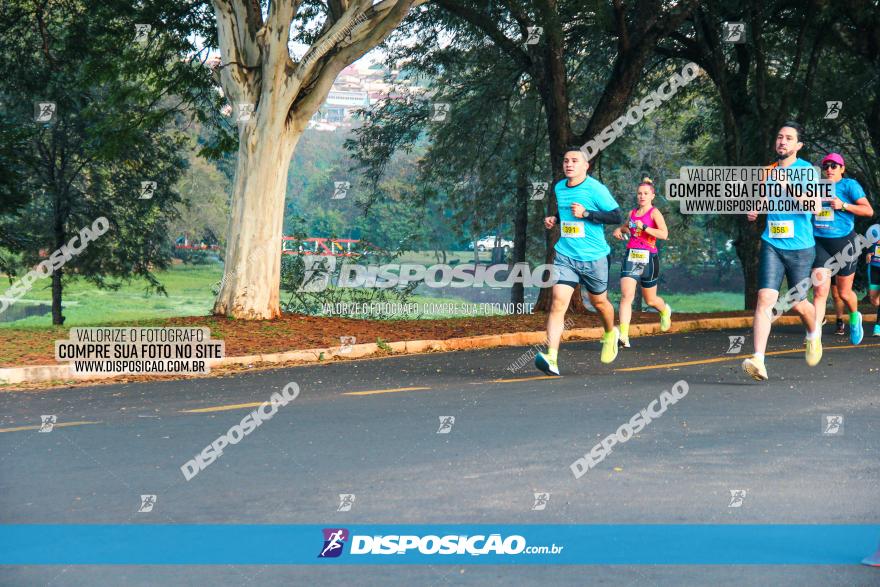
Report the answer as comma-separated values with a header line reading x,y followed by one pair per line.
x,y
787,251
585,206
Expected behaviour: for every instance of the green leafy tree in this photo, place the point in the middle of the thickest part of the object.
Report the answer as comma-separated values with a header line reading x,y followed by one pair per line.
x,y
92,107
555,43
782,71
273,96
482,154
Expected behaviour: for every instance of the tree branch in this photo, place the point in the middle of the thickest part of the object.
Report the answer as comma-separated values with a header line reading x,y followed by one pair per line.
x,y
330,40
490,29
318,74
273,38
629,63
796,64
810,78
237,26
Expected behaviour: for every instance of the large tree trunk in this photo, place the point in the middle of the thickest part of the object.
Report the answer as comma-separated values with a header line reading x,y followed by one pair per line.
x,y
57,316
748,247
743,148
59,219
252,269
256,68
520,228
555,101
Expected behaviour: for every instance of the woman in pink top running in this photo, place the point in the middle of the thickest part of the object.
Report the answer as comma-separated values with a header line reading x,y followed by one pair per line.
x,y
644,227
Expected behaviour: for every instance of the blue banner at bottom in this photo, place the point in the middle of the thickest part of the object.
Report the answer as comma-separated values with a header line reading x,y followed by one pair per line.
x,y
650,544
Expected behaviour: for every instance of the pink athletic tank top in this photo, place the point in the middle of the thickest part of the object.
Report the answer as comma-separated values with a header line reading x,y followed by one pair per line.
x,y
639,239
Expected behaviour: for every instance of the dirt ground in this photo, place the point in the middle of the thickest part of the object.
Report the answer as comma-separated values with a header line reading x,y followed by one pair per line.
x,y
23,347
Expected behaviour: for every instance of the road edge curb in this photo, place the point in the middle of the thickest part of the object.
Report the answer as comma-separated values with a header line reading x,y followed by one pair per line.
x,y
46,373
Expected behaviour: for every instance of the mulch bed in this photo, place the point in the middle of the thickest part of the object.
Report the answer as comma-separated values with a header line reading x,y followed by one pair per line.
x,y
22,347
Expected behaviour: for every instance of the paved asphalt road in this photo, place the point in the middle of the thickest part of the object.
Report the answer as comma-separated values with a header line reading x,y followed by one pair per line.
x,y
514,434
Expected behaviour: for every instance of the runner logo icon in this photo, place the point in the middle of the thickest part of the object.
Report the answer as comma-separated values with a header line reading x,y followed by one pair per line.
x,y
832,424
47,423
737,496
539,190
541,500
147,503
346,501
736,344
446,424
833,109
734,32
334,540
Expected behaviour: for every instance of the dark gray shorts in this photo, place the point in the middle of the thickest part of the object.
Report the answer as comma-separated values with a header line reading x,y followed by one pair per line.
x,y
593,275
795,265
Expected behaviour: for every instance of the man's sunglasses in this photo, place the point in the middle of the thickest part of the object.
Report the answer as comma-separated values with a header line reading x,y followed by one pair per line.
x,y
830,166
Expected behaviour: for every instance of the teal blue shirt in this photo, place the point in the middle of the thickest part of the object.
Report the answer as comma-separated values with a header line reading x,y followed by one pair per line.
x,y
799,225
580,239
841,223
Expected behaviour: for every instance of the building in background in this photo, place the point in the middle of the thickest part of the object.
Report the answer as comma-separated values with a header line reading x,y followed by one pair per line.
x,y
358,86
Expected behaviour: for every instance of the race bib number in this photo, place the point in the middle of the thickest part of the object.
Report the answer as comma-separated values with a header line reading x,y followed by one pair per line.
x,y
572,229
826,216
781,228
638,255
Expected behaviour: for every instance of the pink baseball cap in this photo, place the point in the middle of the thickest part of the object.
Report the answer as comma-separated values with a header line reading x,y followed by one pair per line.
x,y
834,157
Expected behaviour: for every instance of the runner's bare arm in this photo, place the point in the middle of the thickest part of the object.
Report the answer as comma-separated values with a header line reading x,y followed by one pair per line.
x,y
661,232
862,207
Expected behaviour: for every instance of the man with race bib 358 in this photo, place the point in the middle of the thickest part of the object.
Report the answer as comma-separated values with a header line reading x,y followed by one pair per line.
x,y
585,206
787,251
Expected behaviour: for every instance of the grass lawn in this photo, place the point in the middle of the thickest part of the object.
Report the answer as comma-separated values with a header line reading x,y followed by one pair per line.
x,y
189,294
713,301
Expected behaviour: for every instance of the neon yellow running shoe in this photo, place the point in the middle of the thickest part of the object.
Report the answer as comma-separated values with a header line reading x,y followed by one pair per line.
x,y
609,346
666,318
814,351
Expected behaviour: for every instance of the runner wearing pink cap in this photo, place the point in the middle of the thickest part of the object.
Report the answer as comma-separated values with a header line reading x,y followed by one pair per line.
x,y
834,231
839,305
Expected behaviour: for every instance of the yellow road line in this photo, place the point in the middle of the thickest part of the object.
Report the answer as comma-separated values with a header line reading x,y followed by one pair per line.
x,y
737,358
38,426
536,378
222,408
377,391
256,404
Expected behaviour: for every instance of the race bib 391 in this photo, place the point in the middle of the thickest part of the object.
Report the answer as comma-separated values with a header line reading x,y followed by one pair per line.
x,y
572,229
